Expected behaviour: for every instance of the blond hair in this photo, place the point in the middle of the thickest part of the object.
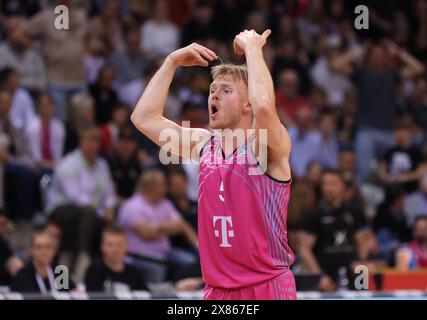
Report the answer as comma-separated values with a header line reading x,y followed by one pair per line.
x,y
237,72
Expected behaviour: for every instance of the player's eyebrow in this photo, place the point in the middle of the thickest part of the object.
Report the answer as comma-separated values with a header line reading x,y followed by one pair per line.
x,y
223,85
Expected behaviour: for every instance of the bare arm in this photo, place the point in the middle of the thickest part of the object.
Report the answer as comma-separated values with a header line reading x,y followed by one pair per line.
x,y
153,232
412,67
262,100
306,251
343,63
148,113
190,234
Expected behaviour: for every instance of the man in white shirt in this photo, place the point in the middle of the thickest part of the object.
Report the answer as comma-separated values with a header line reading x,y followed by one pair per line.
x,y
45,135
159,37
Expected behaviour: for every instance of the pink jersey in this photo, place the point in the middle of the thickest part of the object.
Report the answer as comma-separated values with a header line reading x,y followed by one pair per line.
x,y
242,219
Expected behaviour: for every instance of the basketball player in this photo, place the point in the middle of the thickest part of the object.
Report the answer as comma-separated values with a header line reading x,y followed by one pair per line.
x,y
242,217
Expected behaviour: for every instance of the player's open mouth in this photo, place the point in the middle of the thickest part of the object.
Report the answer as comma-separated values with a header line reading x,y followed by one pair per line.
x,y
214,110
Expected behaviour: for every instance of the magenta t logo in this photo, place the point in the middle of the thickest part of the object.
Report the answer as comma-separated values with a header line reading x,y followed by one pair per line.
x,y
225,233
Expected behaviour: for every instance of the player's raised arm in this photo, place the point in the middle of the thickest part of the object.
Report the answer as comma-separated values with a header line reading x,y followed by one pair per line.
x,y
262,99
148,113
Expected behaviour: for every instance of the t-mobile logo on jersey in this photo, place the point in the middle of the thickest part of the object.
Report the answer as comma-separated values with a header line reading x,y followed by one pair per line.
x,y
225,233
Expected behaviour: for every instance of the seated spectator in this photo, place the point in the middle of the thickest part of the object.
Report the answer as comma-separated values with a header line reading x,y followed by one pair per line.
x,y
110,131
417,103
288,98
178,182
124,164
45,135
328,153
19,179
17,53
335,236
305,142
159,37
302,202
112,273
149,219
81,116
9,263
104,95
80,197
402,163
390,223
38,273
106,26
129,65
416,203
418,245
323,76
347,167
22,107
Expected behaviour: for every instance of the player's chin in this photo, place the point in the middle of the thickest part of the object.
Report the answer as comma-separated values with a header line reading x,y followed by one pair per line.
x,y
215,124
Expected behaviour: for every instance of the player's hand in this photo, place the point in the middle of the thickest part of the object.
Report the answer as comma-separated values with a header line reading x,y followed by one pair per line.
x,y
192,55
249,38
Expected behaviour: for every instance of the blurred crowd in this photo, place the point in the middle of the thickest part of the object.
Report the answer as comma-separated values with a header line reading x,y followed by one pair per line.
x,y
94,191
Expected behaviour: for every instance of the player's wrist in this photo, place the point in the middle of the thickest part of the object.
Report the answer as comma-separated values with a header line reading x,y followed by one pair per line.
x,y
171,62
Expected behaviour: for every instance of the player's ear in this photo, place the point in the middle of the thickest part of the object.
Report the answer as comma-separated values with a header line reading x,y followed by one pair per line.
x,y
247,107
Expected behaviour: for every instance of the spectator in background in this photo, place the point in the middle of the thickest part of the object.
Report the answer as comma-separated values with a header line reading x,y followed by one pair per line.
x,y
104,95
335,235
195,92
200,26
178,183
198,116
38,273
63,50
159,37
390,223
107,27
305,141
417,103
9,263
110,131
81,197
328,153
149,219
81,116
22,108
129,65
94,58
45,135
418,245
347,168
289,57
17,53
288,98
124,164
416,203
376,82
18,167
111,273
402,164
323,76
